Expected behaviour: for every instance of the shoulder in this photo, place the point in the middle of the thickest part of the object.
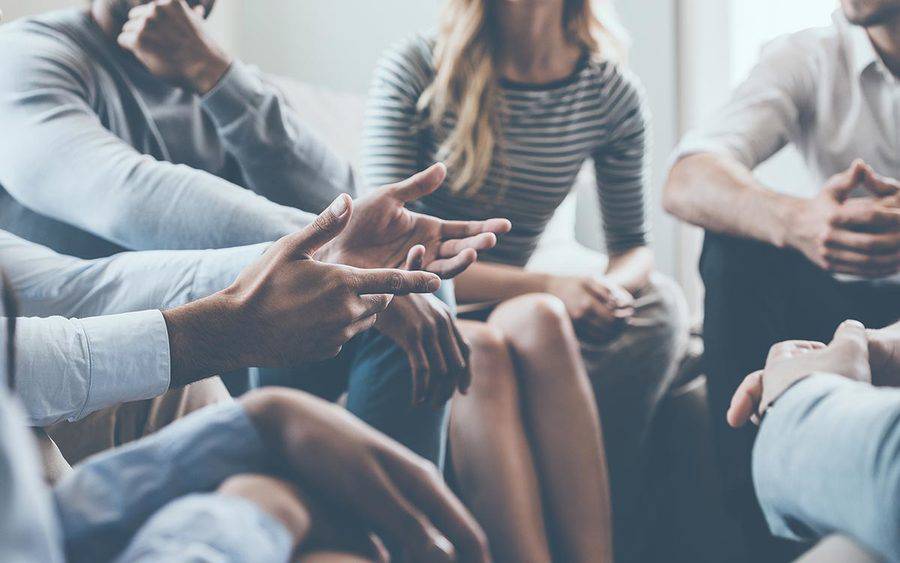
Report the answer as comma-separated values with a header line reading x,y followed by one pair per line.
x,y
619,89
32,49
409,63
801,56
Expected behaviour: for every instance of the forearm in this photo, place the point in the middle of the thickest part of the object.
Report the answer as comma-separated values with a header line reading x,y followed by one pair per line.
x,y
281,158
78,366
826,461
47,283
719,194
484,281
631,269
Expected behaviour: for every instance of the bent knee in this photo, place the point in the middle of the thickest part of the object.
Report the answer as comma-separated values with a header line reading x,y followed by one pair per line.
x,y
520,316
493,375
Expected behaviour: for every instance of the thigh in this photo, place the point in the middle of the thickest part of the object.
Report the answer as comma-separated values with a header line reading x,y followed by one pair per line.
x,y
380,393
114,426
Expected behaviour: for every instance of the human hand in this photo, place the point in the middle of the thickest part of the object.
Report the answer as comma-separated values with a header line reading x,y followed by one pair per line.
x,y
788,362
598,308
286,308
384,230
858,236
884,355
276,497
438,353
167,36
363,473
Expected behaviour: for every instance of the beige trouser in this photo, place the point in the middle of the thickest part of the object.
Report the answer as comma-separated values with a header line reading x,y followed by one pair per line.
x,y
66,443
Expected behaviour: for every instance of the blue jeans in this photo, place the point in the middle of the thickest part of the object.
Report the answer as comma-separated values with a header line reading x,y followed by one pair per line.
x,y
376,376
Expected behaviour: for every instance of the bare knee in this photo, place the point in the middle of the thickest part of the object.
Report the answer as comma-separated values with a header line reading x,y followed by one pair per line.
x,y
534,318
493,376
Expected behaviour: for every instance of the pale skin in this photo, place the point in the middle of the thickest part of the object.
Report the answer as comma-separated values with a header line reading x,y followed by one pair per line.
x,y
871,356
856,236
519,434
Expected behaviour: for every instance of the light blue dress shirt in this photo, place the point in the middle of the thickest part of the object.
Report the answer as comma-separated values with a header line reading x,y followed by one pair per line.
x,y
827,460
71,366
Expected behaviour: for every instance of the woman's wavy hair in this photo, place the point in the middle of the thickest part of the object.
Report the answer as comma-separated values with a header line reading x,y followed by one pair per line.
x,y
466,86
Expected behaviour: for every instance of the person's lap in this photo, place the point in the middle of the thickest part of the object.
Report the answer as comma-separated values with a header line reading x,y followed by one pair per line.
x,y
375,374
756,296
70,442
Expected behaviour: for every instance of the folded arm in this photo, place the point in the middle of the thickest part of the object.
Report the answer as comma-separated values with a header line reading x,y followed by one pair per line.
x,y
827,460
92,179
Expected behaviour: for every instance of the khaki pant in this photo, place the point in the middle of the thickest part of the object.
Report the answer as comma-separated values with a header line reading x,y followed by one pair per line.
x,y
66,443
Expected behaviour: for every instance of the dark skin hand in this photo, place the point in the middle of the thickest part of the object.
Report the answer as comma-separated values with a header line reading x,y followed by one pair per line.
x,y
386,488
286,308
437,352
384,230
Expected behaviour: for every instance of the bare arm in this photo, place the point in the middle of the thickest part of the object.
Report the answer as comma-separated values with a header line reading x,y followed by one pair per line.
x,y
718,193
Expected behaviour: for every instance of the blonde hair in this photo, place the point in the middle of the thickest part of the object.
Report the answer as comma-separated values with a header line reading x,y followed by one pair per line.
x,y
465,84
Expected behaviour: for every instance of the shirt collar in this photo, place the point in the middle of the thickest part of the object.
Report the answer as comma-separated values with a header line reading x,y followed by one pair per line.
x,y
862,53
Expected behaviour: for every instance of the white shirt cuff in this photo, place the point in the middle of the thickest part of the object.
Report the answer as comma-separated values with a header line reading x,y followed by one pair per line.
x,y
128,358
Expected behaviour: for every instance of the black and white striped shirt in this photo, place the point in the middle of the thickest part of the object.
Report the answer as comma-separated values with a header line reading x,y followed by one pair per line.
x,y
548,131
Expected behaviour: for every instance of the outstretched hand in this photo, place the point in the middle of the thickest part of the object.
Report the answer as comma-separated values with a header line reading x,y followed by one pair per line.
x,y
383,231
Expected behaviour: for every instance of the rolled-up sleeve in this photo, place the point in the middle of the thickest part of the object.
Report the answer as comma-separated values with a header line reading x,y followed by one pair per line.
x,y
765,110
69,368
233,529
827,460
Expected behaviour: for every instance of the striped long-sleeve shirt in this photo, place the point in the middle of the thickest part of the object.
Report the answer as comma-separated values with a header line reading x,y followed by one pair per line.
x,y
547,132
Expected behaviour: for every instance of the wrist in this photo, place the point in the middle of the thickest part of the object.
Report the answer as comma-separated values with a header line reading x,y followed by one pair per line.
x,y
788,214
203,75
204,339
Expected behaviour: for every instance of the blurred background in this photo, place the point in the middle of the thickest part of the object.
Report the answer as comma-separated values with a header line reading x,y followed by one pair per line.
x,y
689,54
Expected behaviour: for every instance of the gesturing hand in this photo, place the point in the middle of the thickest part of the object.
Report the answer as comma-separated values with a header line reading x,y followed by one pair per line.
x,y
384,231
598,308
791,361
287,308
438,354
851,235
368,477
167,36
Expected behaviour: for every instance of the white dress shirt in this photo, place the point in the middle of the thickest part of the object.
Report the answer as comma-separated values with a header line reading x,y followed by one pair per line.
x,y
826,91
71,367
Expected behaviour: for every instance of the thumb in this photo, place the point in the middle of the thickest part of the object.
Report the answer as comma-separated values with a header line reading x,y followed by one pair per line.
x,y
415,259
419,185
326,227
879,185
843,183
850,333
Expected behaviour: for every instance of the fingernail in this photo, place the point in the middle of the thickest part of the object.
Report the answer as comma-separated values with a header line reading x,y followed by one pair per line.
x,y
339,206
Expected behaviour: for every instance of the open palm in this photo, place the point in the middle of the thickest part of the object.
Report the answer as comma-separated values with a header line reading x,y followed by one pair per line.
x,y
383,232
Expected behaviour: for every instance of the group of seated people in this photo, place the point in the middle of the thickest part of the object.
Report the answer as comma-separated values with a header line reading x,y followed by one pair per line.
x,y
174,234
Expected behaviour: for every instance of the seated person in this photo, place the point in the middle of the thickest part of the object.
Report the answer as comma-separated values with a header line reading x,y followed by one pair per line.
x,y
826,457
778,263
134,130
224,484
517,96
268,305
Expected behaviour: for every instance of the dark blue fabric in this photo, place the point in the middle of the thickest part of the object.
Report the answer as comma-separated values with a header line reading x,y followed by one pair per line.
x,y
376,376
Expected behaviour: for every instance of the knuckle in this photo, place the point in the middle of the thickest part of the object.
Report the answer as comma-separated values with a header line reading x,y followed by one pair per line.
x,y
395,281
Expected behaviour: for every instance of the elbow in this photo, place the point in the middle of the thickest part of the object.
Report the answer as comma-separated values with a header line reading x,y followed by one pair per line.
x,y
674,190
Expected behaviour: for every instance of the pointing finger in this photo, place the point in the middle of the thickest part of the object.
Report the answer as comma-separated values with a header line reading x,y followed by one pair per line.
x,y
395,282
